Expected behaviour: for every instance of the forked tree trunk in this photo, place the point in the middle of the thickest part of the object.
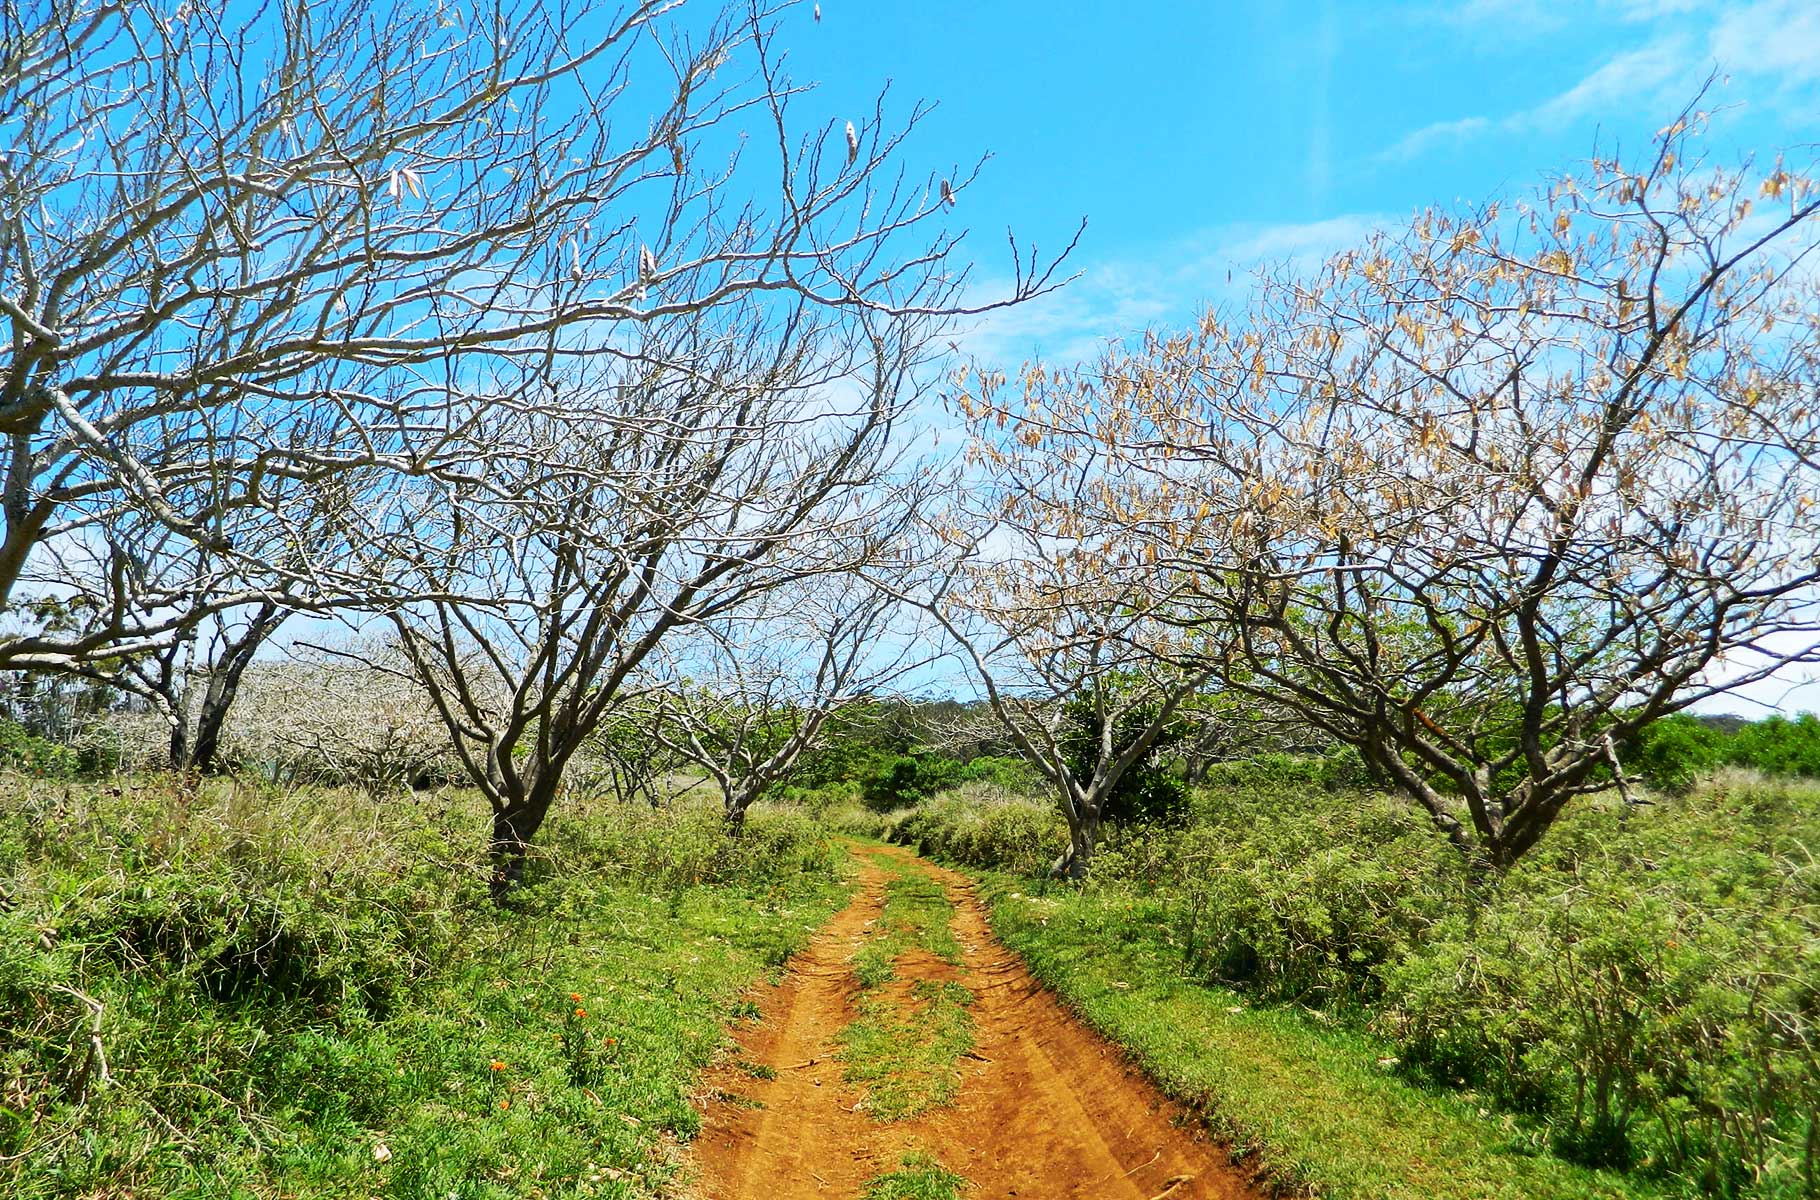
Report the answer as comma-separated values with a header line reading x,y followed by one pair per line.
x,y
1083,832
514,825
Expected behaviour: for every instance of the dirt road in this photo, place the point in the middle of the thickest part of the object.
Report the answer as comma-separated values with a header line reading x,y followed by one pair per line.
x,y
1045,1109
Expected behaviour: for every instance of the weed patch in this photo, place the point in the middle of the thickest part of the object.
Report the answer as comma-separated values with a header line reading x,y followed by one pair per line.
x,y
920,1177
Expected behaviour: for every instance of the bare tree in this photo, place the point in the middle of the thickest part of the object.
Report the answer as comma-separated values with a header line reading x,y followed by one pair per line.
x,y
1069,639
750,694
1484,498
245,247
669,489
347,712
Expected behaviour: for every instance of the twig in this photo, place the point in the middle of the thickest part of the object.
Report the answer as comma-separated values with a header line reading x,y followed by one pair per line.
x,y
94,1064
1153,1158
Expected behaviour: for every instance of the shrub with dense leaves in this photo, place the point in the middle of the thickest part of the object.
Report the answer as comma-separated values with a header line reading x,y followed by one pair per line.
x,y
1296,899
1649,989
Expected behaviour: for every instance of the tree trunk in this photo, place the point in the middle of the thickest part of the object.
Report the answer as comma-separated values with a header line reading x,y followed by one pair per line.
x,y
1083,831
734,820
513,828
195,750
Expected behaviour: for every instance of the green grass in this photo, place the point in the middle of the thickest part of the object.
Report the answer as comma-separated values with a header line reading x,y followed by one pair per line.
x,y
920,1177
1317,1104
916,914
904,1047
905,1056
320,1002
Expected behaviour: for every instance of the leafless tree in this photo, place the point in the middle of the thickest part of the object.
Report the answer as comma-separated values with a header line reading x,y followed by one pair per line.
x,y
750,694
1484,498
1070,642
666,489
247,247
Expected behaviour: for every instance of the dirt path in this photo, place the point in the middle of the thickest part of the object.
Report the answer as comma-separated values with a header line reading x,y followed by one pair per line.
x,y
1046,1109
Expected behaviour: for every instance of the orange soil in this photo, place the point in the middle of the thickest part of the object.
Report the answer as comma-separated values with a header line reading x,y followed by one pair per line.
x,y
1045,1109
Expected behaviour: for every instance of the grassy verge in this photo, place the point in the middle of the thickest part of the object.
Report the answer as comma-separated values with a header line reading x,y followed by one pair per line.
x,y
1317,1104
311,997
903,1047
921,1177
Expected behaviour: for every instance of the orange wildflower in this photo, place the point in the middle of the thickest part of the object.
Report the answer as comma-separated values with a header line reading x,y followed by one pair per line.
x,y
497,1065
504,1104
581,1012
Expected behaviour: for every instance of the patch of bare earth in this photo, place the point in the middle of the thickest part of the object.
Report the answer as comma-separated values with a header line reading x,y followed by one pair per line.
x,y
1045,1109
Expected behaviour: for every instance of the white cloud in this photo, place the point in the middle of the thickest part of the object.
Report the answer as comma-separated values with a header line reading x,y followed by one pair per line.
x,y
1620,84
1775,38
1120,298
1770,42
1434,137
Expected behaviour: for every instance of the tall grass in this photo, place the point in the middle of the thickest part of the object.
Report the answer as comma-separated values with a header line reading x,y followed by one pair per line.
x,y
230,990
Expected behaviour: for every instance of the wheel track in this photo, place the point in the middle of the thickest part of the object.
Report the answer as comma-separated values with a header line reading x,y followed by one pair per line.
x,y
1046,1109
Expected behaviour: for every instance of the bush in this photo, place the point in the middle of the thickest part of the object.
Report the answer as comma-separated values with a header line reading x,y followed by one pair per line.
x,y
907,779
981,825
34,755
1339,771
1647,988
1673,753
1293,896
1148,791
686,843
1778,746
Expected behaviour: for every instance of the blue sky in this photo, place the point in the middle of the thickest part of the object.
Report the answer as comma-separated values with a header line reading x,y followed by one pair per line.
x,y
1198,138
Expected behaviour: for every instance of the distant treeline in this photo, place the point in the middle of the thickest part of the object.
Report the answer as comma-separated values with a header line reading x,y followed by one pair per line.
x,y
1676,750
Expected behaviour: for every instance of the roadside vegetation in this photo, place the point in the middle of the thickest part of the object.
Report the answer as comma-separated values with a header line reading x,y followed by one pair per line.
x,y
1306,959
232,990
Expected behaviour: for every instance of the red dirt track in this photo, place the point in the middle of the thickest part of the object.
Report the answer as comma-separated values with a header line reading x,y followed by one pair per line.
x,y
1046,1109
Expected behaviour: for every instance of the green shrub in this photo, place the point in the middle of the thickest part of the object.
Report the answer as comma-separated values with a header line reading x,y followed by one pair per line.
x,y
1149,791
1672,754
907,779
1340,770
1778,746
1299,899
35,755
1648,988
980,825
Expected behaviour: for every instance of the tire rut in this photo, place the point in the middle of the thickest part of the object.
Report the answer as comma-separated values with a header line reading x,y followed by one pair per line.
x,y
1045,1109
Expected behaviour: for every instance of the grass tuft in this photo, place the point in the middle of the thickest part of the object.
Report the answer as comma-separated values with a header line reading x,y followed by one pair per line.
x,y
921,1177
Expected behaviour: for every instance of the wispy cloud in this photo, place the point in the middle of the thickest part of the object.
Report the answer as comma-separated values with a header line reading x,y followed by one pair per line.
x,y
1776,38
1640,76
1119,298
1771,41
1434,137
